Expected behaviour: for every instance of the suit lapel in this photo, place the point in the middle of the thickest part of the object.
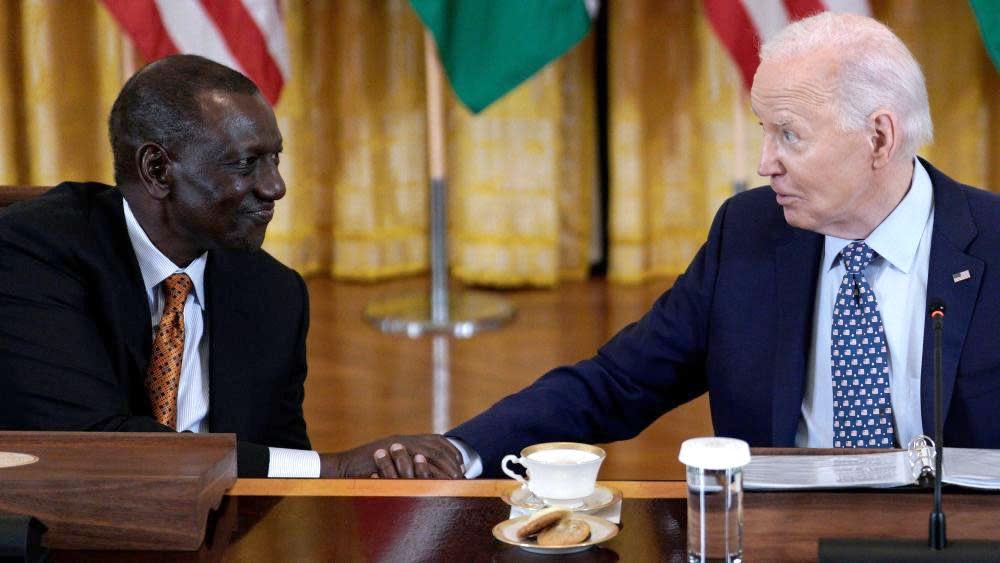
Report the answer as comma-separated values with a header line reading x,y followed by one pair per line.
x,y
954,230
797,257
128,296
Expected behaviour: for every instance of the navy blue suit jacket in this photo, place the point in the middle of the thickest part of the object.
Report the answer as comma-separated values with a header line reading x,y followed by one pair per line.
x,y
738,324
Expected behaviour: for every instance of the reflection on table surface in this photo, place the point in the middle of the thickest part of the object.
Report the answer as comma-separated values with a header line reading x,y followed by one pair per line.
x,y
371,520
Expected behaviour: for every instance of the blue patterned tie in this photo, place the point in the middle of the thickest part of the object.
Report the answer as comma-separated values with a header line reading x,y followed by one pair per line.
x,y
859,360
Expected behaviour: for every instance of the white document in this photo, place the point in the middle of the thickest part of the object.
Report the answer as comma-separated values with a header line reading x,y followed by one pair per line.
x,y
967,467
974,468
803,471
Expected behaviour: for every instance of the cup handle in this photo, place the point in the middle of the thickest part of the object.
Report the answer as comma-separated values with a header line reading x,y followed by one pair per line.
x,y
512,459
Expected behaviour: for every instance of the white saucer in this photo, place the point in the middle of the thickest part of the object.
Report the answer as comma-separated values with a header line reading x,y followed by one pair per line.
x,y
600,531
602,497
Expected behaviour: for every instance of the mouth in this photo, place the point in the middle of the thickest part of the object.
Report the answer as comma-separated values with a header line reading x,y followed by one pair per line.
x,y
261,214
785,199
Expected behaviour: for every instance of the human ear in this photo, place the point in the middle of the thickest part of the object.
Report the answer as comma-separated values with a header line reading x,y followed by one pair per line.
x,y
883,137
154,169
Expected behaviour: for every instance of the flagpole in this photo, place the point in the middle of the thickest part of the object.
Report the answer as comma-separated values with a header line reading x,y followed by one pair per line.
x,y
465,313
436,161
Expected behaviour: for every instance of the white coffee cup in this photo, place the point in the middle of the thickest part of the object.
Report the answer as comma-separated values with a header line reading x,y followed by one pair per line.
x,y
559,473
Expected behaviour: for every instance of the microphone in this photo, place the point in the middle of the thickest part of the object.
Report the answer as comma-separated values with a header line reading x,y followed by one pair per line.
x,y
937,534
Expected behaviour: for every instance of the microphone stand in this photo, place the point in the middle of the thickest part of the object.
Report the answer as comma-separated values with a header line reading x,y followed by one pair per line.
x,y
937,537
937,547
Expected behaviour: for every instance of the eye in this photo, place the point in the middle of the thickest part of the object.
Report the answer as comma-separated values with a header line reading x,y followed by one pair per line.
x,y
246,165
789,136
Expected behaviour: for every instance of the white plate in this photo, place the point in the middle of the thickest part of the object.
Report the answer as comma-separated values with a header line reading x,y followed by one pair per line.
x,y
600,531
602,497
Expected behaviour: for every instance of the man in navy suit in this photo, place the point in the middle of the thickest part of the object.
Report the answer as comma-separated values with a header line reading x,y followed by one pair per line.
x,y
803,315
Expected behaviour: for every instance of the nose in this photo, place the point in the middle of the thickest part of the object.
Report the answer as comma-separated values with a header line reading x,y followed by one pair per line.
x,y
770,164
270,185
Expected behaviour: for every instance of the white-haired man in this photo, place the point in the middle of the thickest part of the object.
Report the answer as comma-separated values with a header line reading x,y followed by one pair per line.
x,y
803,315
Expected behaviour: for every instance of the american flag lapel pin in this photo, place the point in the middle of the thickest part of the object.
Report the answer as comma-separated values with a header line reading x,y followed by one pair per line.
x,y
961,276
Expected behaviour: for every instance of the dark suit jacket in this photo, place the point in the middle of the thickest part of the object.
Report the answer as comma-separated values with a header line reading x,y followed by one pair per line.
x,y
75,330
738,324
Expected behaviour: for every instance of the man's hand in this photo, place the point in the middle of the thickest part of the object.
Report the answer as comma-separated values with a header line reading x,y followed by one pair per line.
x,y
424,456
398,463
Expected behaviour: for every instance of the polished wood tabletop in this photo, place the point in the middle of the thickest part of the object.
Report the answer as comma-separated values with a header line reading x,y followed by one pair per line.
x,y
380,520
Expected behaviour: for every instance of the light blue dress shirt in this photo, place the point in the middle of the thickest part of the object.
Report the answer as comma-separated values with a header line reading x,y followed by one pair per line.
x,y
899,279
192,393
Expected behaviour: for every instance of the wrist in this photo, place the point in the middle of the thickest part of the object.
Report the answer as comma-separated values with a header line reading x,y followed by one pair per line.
x,y
331,466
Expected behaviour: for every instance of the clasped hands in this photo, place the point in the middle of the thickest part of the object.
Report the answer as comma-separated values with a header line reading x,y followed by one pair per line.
x,y
424,456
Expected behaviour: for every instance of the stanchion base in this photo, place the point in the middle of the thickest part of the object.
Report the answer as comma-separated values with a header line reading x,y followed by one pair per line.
x,y
469,312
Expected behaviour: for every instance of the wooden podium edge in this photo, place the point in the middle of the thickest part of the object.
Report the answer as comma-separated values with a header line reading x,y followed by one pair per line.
x,y
215,483
428,488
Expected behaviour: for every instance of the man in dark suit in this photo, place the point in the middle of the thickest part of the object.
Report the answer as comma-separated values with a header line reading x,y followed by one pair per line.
x,y
150,307
803,315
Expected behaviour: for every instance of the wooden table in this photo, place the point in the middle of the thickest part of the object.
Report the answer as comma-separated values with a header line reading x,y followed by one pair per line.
x,y
378,520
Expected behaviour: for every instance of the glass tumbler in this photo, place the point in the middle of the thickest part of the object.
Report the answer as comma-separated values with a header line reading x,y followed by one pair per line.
x,y
715,498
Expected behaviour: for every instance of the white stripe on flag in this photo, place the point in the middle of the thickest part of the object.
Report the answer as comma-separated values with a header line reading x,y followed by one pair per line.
x,y
853,6
768,16
194,32
265,14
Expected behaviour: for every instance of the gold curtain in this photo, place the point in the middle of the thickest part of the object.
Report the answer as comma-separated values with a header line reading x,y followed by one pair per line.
x,y
522,173
353,116
682,130
60,69
353,120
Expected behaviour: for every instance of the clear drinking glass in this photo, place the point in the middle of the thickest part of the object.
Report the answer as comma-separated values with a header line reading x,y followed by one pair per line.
x,y
715,498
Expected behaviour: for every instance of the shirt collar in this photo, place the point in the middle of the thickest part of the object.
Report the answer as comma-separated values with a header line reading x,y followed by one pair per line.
x,y
896,239
155,266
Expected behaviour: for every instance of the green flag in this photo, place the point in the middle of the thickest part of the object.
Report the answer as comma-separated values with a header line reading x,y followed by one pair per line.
x,y
488,47
988,16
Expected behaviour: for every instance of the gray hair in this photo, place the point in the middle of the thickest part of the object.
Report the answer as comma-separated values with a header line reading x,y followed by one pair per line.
x,y
877,71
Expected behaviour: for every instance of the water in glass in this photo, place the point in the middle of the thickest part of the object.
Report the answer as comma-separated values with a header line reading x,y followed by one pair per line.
x,y
715,515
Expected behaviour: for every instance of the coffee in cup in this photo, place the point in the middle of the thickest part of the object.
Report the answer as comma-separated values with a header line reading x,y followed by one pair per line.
x,y
559,473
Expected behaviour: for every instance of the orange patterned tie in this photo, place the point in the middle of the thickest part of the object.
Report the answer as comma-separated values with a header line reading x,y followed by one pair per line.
x,y
164,374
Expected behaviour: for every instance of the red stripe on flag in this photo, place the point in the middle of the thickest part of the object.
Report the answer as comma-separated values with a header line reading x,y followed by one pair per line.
x,y
798,9
141,21
247,44
736,31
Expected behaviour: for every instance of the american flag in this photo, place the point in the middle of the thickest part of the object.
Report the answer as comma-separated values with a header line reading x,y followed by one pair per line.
x,y
743,25
246,35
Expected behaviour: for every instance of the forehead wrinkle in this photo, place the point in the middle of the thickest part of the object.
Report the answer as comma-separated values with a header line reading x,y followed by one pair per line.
x,y
800,100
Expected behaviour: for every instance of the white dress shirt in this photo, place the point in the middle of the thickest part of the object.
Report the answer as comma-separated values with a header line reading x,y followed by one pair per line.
x,y
898,277
192,393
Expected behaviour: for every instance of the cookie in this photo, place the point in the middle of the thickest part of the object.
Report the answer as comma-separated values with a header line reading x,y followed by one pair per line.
x,y
567,531
542,519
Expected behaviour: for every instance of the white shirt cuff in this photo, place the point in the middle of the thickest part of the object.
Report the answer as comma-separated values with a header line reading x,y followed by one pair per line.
x,y
470,458
286,462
